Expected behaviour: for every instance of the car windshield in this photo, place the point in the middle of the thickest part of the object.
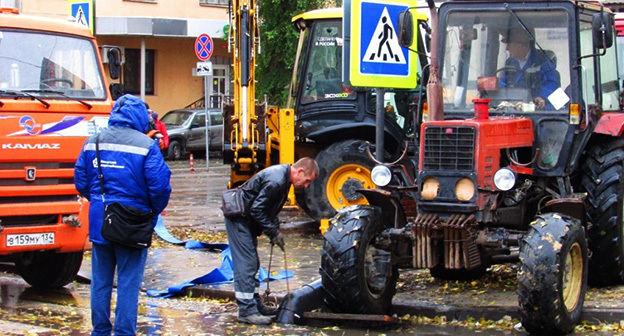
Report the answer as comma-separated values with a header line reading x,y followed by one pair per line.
x,y
518,59
176,118
49,65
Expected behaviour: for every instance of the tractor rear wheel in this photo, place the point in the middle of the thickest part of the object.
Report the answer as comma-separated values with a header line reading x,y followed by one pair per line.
x,y
357,272
48,269
603,180
344,167
552,280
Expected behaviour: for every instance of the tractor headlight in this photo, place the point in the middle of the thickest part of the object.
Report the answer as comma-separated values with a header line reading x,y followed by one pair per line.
x,y
464,189
381,175
430,188
504,179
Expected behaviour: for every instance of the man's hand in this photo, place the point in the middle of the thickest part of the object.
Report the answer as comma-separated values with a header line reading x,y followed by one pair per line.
x,y
278,240
540,102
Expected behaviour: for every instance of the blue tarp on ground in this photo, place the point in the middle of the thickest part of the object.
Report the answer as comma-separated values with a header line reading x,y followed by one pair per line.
x,y
223,274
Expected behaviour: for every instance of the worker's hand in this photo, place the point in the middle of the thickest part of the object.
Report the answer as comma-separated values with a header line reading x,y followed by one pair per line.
x,y
161,144
278,240
540,102
152,134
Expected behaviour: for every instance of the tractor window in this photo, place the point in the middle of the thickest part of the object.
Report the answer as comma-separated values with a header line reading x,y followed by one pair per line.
x,y
322,79
608,77
491,55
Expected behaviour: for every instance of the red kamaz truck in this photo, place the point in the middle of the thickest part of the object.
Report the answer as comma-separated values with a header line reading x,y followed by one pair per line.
x,y
53,94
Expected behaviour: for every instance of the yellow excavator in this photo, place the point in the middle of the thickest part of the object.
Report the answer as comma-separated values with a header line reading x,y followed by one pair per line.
x,y
324,118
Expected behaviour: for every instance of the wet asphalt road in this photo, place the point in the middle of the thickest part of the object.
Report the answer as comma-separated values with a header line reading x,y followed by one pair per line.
x,y
193,214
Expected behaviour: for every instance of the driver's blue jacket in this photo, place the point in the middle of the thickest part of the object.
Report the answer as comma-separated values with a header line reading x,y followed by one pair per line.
x,y
538,75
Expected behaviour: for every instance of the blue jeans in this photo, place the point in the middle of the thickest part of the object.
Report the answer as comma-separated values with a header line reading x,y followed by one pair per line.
x,y
130,265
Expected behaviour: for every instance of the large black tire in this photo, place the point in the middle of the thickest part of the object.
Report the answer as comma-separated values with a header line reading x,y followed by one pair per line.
x,y
603,180
343,167
552,280
358,276
49,269
175,150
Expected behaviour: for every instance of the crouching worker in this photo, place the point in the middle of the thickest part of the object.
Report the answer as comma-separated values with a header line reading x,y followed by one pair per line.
x,y
264,196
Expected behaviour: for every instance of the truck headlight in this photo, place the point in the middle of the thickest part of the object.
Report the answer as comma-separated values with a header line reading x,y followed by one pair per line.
x,y
381,175
504,179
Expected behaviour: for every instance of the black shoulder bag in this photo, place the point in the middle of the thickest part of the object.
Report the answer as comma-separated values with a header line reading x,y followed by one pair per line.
x,y
232,202
123,225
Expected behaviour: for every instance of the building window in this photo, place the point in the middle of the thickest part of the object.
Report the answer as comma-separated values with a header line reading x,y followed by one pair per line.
x,y
213,2
132,71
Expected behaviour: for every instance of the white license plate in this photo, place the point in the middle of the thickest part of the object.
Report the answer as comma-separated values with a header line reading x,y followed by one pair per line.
x,y
27,239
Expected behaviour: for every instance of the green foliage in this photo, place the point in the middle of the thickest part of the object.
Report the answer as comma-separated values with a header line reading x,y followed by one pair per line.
x,y
279,45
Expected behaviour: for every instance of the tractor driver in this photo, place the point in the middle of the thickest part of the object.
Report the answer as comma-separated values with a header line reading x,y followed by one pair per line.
x,y
529,68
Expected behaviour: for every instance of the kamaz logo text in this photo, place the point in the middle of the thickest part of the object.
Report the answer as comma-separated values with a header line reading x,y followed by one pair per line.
x,y
31,146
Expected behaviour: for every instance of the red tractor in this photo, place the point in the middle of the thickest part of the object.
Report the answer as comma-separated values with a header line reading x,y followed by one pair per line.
x,y
521,160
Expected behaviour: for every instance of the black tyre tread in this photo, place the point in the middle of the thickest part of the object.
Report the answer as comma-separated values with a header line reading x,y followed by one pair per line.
x,y
49,269
541,307
171,150
345,290
602,179
314,198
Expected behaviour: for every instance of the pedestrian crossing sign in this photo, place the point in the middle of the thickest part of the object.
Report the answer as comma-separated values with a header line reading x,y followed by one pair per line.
x,y
82,12
376,59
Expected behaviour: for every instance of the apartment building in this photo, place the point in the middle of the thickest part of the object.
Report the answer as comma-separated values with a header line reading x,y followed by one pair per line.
x,y
158,40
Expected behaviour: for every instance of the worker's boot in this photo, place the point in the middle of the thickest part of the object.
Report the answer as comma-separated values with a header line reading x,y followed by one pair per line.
x,y
267,310
255,319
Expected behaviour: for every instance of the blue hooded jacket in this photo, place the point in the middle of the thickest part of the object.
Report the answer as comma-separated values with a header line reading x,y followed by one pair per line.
x,y
134,170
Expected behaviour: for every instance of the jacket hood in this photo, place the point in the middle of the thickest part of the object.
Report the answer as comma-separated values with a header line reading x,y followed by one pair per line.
x,y
129,111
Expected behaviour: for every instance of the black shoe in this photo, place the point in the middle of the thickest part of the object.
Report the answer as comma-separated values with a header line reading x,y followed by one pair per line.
x,y
267,310
255,319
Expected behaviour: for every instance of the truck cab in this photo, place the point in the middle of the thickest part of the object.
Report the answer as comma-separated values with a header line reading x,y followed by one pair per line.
x,y
53,95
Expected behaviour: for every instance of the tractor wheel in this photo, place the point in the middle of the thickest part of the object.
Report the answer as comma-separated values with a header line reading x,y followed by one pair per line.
x,y
603,180
175,150
344,167
49,269
357,273
553,275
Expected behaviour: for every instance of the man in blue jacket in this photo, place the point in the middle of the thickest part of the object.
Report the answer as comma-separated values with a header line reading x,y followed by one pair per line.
x,y
529,68
135,174
264,196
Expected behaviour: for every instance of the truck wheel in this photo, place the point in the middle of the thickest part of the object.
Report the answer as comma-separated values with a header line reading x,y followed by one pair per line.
x,y
344,167
553,275
175,150
49,269
602,179
357,273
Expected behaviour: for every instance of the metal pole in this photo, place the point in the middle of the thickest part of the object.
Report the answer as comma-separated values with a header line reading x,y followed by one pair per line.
x,y
379,122
206,102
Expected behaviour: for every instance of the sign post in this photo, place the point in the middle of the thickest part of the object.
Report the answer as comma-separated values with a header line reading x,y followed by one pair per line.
x,y
203,49
375,57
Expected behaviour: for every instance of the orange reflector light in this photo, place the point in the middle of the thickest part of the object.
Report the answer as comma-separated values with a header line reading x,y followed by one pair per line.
x,y
425,116
575,114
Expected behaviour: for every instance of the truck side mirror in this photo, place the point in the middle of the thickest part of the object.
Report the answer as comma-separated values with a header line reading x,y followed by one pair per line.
x,y
114,62
116,90
602,30
406,29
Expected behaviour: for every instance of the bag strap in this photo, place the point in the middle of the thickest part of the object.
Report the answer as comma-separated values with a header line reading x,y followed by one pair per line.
x,y
99,165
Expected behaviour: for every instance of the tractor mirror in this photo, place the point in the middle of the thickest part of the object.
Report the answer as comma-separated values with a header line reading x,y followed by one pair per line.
x,y
602,30
406,29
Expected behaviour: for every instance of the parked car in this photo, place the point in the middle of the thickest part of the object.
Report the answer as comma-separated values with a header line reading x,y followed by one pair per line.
x,y
187,131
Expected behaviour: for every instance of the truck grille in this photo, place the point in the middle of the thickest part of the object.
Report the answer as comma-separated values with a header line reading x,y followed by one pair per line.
x,y
449,148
